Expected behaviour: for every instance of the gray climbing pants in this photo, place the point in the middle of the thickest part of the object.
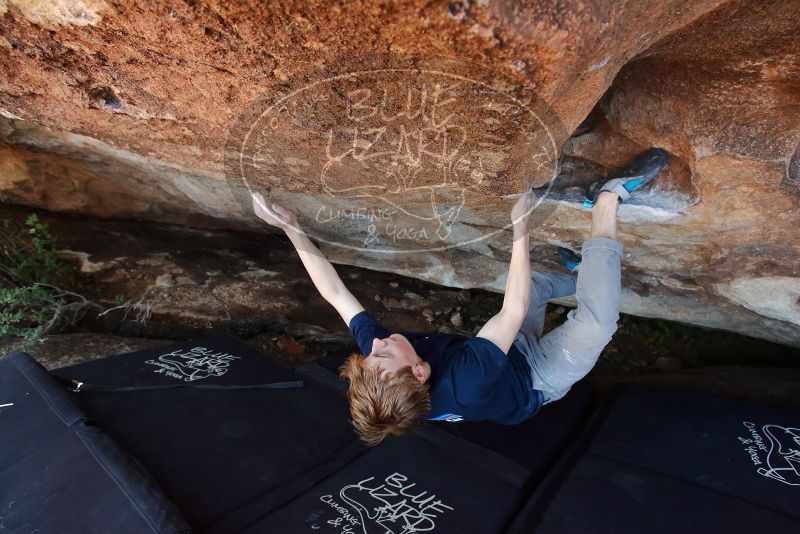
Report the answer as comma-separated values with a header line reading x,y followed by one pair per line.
x,y
567,353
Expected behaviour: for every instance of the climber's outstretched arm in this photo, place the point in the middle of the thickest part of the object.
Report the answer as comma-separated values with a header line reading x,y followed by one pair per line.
x,y
325,278
322,273
503,327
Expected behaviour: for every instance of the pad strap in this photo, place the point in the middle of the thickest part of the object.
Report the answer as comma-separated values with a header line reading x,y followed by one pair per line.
x,y
77,386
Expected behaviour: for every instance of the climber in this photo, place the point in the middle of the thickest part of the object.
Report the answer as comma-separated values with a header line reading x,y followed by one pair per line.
x,y
509,369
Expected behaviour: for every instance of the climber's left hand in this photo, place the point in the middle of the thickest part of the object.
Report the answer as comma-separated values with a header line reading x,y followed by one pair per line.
x,y
522,210
275,214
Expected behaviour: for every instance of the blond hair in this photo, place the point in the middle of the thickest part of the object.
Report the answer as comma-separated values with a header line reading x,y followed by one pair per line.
x,y
380,408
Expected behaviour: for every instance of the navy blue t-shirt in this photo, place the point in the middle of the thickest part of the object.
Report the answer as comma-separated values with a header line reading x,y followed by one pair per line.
x,y
471,378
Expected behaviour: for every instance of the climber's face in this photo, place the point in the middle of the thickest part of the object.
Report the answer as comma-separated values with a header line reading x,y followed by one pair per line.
x,y
395,352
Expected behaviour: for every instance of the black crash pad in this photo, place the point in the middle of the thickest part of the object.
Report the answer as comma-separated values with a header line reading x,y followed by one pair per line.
x,y
671,461
425,482
236,456
264,460
60,474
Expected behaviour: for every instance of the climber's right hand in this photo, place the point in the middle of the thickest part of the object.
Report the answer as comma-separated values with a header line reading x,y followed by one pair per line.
x,y
275,214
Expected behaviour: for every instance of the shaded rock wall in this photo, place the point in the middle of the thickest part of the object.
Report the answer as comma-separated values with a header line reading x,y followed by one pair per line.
x,y
125,109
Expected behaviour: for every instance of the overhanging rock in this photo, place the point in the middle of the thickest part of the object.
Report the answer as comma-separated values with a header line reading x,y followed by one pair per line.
x,y
399,131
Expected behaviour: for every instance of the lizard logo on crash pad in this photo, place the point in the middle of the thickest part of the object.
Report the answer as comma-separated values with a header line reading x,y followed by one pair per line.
x,y
777,456
193,364
393,505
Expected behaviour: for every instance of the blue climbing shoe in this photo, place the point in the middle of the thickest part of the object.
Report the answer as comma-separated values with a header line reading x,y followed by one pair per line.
x,y
640,171
568,259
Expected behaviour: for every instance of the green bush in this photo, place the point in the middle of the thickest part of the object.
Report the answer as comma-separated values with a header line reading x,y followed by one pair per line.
x,y
32,299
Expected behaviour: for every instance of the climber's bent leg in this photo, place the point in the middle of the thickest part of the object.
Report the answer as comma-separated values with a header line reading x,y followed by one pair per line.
x,y
545,285
569,352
